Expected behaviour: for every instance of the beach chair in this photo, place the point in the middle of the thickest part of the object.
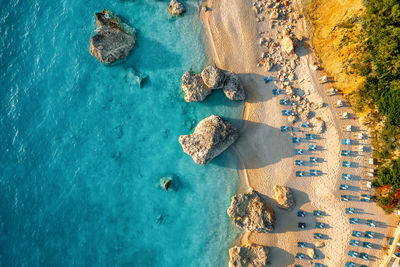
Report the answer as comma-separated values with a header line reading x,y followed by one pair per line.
x,y
346,142
299,151
365,198
364,256
346,164
318,265
300,173
354,221
315,172
344,198
301,225
313,159
284,128
369,234
355,243
300,256
343,187
312,147
367,245
276,91
345,152
317,213
284,102
350,210
305,124
356,233
318,236
299,162
301,244
267,79
320,225
346,176
296,140
350,264
301,213
371,223
353,254
310,136
345,115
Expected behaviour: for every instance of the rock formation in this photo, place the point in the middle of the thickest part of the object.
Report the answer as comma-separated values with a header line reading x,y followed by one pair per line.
x,y
113,41
287,45
318,124
249,256
311,253
251,213
283,196
194,88
213,77
166,182
233,89
210,138
176,8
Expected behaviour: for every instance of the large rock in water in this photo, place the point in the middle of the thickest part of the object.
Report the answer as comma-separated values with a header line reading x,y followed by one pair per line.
x,y
113,41
194,88
283,196
249,256
176,8
213,77
233,89
251,213
211,137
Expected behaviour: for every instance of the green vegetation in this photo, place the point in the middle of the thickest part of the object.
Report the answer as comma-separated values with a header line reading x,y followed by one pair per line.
x,y
379,96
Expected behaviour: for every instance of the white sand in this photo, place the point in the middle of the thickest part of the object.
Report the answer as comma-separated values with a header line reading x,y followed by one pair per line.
x,y
268,155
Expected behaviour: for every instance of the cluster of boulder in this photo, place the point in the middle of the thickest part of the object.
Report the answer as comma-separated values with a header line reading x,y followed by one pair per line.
x,y
250,213
248,256
113,40
198,86
211,137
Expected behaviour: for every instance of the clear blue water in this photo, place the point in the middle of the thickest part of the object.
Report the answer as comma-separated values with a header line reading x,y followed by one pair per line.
x,y
83,147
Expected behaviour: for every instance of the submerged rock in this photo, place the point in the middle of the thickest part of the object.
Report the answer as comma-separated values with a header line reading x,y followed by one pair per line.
x,y
210,138
135,77
248,256
283,196
213,77
113,40
251,213
176,8
233,89
166,182
194,88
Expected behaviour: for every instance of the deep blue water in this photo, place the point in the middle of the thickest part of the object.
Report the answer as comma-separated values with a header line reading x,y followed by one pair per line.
x,y
83,146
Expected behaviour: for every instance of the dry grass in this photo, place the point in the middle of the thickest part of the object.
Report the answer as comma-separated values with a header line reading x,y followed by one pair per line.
x,y
337,40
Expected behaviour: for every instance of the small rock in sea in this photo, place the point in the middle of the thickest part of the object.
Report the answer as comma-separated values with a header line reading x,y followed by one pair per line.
x,y
211,137
283,196
251,213
132,75
166,182
194,88
213,77
176,8
113,41
233,88
254,256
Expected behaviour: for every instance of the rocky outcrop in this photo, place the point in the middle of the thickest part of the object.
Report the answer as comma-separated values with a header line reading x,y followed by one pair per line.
x,y
113,41
176,8
211,137
213,77
166,182
194,88
249,256
318,124
311,253
283,196
251,213
287,45
233,89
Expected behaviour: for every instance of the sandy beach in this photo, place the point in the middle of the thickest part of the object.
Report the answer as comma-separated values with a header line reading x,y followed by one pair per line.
x,y
267,154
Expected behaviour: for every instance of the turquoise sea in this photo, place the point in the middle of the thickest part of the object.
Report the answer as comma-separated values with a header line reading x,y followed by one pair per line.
x,y
83,147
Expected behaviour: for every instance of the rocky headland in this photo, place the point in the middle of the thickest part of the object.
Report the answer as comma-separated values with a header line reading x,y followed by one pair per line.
x,y
211,137
113,40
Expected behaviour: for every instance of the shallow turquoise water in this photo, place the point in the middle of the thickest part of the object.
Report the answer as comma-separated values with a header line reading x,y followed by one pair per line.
x,y
83,147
